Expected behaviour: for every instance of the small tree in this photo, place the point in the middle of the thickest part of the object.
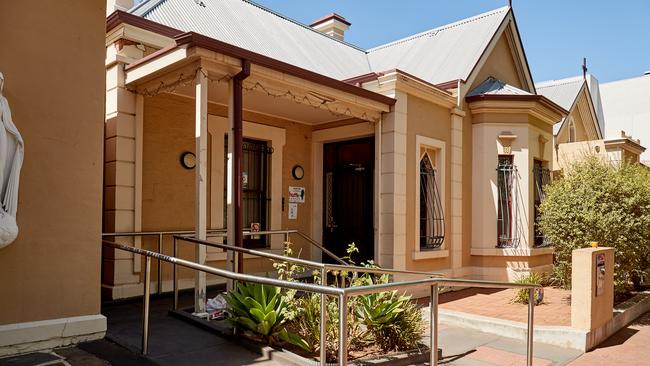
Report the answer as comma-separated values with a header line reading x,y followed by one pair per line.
x,y
597,201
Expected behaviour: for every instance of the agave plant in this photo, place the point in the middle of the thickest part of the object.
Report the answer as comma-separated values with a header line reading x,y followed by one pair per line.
x,y
260,309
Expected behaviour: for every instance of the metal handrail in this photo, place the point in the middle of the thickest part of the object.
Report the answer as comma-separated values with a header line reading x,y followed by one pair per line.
x,y
216,233
326,266
342,293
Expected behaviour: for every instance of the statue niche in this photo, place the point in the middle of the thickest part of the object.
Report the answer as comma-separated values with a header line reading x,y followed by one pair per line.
x,y
11,160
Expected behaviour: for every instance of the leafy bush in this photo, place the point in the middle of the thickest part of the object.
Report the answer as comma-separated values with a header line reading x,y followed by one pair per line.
x,y
260,309
597,201
534,278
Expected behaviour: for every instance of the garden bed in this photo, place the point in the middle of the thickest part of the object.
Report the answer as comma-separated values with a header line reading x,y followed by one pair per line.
x,y
291,355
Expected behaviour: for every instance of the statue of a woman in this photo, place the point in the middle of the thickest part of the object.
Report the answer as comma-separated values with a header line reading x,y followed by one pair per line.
x,y
11,160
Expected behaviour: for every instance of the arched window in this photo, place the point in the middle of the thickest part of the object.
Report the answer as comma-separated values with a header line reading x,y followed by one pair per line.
x,y
432,221
572,131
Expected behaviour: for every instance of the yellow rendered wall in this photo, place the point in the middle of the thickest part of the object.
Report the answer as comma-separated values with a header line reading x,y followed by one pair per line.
x,y
168,189
52,56
429,120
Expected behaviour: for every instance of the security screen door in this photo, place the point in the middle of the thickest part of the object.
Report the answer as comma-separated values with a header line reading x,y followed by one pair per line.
x,y
348,171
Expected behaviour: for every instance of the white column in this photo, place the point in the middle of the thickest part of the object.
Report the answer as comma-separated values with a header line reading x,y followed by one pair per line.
x,y
456,190
201,133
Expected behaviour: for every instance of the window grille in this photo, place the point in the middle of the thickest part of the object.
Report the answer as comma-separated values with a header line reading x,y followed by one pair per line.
x,y
507,216
542,177
432,221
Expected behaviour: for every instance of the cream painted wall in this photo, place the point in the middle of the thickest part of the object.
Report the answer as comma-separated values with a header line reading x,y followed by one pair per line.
x,y
500,65
427,121
55,86
168,188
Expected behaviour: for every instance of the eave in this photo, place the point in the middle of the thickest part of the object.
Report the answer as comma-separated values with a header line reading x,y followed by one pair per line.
x,y
535,105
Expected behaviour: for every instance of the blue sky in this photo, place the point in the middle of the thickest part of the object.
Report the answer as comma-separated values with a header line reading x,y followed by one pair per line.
x,y
614,35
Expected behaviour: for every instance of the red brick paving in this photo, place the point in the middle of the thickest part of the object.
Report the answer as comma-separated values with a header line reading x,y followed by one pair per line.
x,y
555,310
630,347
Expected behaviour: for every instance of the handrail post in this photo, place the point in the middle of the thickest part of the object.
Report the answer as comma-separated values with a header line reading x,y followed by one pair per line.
x,y
286,236
323,319
531,312
433,326
145,305
175,276
343,330
160,246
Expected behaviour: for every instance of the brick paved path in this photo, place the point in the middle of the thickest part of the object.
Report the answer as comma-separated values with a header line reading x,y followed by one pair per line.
x,y
629,347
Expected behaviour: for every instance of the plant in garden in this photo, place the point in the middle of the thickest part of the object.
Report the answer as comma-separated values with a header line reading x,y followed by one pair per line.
x,y
533,278
597,201
287,271
260,309
393,321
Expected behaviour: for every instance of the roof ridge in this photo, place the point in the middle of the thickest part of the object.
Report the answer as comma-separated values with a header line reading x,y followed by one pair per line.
x,y
434,31
565,81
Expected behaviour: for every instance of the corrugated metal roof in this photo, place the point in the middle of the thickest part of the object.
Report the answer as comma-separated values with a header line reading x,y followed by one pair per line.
x,y
563,92
441,54
438,55
250,26
492,86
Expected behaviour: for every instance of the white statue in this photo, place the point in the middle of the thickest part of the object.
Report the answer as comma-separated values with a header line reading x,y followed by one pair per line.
x,y
11,160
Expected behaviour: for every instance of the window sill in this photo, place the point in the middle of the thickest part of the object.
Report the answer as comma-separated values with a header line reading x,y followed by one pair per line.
x,y
430,254
222,256
511,252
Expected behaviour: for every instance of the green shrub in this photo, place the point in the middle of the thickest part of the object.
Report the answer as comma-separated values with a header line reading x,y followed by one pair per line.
x,y
597,201
260,309
533,278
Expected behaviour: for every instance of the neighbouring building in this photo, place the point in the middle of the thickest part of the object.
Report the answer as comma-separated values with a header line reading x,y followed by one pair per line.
x,y
587,130
52,59
626,106
424,152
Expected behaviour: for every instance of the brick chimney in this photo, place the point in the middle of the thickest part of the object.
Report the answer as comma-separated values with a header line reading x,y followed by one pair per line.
x,y
333,25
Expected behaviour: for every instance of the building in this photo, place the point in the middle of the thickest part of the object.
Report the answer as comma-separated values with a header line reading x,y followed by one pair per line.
x,y
583,131
54,76
626,108
424,152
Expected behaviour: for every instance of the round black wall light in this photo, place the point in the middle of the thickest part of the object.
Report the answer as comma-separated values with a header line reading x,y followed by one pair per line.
x,y
188,160
298,172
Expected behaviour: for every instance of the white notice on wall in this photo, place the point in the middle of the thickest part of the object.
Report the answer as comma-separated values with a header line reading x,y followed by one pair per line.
x,y
293,211
297,194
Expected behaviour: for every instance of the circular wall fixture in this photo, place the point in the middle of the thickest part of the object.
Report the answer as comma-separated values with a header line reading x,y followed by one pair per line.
x,y
298,172
188,160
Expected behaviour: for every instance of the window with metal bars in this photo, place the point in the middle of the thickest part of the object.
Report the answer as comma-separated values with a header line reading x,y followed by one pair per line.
x,y
432,220
541,176
506,216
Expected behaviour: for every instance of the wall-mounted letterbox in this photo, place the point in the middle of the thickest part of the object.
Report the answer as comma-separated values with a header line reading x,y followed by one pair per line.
x,y
600,274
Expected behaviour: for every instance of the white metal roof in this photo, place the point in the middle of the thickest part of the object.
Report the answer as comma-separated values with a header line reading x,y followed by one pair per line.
x,y
564,92
441,54
492,86
438,55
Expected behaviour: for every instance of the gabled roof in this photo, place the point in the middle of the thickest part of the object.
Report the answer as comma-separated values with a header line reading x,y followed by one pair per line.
x,y
492,86
565,92
439,55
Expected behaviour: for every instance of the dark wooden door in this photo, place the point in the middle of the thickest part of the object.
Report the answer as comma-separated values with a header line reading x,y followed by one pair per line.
x,y
348,171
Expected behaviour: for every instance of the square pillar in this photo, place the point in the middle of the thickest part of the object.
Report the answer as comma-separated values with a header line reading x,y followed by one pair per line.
x,y
200,227
592,287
